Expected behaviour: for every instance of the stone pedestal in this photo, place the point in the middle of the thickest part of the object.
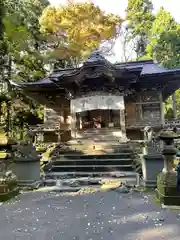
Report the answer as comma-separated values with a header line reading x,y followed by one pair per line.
x,y
167,180
166,189
27,165
27,172
8,181
152,165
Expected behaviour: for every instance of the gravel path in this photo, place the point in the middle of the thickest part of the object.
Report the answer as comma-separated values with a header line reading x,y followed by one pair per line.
x,y
107,216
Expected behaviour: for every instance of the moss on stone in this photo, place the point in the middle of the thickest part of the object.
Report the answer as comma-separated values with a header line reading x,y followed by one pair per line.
x,y
166,189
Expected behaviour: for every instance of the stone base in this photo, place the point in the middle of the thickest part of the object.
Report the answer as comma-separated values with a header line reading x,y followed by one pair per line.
x,y
29,184
152,165
166,189
8,195
27,170
149,184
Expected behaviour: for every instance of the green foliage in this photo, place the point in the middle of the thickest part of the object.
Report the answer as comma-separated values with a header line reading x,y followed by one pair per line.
x,y
2,13
21,56
140,18
24,39
164,44
156,37
169,106
76,29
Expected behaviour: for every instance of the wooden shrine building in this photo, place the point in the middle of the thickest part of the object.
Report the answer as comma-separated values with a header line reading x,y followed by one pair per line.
x,y
101,99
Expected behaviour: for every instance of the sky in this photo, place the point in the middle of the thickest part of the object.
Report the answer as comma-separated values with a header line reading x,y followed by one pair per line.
x,y
119,6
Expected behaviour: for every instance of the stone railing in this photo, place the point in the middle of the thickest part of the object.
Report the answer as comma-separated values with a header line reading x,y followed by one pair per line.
x,y
172,123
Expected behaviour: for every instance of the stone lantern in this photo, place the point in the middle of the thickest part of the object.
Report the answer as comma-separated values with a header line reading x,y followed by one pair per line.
x,y
167,180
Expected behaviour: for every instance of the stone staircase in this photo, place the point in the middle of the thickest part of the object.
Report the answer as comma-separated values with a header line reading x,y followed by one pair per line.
x,y
87,162
102,135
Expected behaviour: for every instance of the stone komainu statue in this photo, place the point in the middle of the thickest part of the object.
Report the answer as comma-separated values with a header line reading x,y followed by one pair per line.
x,y
148,133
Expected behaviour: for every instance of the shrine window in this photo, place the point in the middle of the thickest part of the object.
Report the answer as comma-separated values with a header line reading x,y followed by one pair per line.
x,y
151,111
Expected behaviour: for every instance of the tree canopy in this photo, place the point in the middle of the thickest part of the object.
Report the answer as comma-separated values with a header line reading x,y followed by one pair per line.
x,y
20,46
164,44
76,29
140,18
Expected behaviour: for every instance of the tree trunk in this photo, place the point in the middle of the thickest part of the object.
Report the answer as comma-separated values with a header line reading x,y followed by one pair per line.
x,y
8,122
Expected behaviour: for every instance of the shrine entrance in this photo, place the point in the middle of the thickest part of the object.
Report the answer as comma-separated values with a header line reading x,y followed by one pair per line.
x,y
98,119
97,116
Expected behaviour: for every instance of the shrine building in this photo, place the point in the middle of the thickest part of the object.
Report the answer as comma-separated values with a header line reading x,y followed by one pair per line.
x,y
101,100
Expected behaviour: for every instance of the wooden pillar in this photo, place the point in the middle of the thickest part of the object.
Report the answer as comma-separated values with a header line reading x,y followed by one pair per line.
x,y
140,108
122,120
162,109
73,121
174,106
140,112
60,123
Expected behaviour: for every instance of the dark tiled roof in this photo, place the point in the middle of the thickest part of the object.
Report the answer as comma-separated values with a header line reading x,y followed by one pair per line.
x,y
146,69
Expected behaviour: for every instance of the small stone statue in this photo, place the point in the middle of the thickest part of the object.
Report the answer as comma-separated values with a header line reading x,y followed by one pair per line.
x,y
148,133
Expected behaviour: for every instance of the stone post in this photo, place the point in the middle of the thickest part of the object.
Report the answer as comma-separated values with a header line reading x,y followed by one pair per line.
x,y
167,180
152,161
152,165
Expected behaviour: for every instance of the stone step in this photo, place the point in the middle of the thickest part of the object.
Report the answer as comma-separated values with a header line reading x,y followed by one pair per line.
x,y
103,150
86,182
102,144
106,141
88,156
89,168
99,162
67,189
67,175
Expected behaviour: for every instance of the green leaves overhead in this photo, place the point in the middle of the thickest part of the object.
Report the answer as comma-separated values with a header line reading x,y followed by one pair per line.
x,y
164,44
76,29
139,17
21,55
